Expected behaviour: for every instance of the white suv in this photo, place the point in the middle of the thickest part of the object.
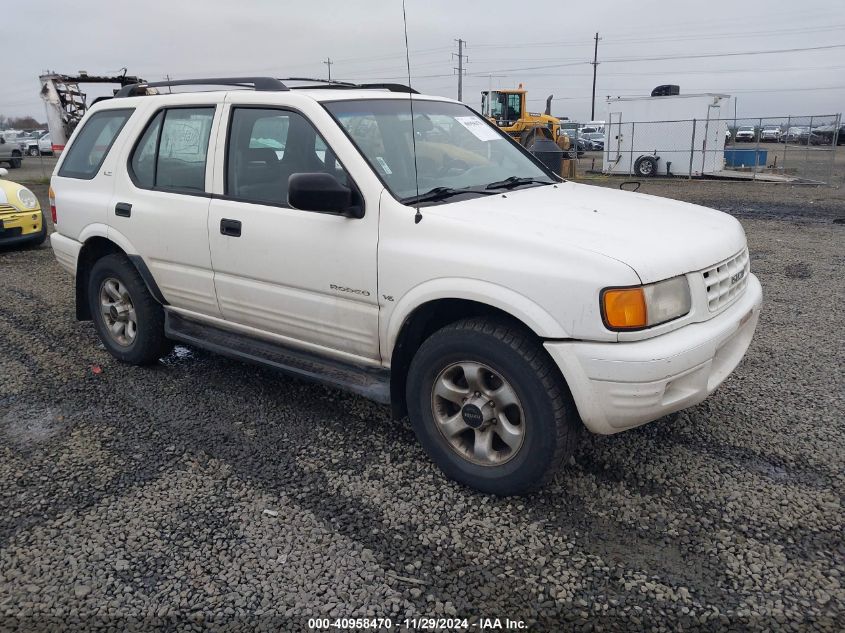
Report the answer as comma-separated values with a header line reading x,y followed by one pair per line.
x,y
429,263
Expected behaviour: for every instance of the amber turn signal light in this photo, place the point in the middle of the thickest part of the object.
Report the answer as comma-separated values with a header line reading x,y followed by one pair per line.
x,y
624,308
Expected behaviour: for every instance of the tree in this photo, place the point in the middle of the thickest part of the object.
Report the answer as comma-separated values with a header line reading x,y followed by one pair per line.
x,y
24,123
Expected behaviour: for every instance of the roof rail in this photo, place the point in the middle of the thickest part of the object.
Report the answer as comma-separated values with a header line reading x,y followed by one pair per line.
x,y
390,87
331,83
256,83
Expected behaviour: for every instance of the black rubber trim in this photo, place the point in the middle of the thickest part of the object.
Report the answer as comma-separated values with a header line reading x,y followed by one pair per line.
x,y
147,276
372,383
19,239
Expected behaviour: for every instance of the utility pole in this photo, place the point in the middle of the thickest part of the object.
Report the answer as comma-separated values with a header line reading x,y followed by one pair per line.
x,y
460,68
595,67
329,63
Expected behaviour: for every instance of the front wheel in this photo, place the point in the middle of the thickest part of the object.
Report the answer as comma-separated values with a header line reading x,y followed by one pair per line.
x,y
16,161
490,408
128,319
33,151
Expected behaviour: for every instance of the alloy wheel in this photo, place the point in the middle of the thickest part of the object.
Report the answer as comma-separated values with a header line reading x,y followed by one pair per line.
x,y
118,312
478,412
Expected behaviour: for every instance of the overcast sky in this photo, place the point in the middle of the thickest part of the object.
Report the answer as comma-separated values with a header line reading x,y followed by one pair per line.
x,y
546,45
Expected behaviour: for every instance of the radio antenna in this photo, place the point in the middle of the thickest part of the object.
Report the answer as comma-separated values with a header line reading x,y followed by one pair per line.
x,y
418,215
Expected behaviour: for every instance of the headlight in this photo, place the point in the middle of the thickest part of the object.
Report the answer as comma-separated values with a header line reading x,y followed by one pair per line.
x,y
27,198
645,306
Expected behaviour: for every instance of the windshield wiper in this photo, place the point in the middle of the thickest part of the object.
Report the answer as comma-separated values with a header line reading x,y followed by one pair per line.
x,y
516,181
441,193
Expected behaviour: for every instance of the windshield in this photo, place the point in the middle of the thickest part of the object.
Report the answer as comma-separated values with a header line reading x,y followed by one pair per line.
x,y
456,149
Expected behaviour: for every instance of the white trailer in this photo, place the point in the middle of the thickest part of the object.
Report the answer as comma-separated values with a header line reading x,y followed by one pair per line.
x,y
682,133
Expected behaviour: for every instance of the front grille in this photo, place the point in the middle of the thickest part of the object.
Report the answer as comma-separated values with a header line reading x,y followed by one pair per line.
x,y
727,280
7,208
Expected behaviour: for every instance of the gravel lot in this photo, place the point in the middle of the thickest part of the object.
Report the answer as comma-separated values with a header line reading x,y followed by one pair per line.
x,y
205,494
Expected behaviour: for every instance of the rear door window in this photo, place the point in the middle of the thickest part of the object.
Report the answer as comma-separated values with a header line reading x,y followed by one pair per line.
x,y
91,146
173,150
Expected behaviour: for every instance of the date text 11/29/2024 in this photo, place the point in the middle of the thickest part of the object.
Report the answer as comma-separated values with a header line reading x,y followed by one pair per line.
x,y
416,624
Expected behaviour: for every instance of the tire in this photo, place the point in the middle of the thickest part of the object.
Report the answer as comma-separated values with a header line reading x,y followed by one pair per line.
x,y
33,151
141,344
543,424
15,162
645,166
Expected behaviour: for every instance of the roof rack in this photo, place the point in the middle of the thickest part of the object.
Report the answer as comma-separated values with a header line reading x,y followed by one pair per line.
x,y
256,83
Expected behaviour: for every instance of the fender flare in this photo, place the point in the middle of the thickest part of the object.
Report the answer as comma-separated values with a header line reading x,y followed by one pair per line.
x,y
535,317
98,230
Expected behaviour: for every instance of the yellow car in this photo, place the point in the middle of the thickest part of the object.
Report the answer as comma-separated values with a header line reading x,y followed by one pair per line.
x,y
21,220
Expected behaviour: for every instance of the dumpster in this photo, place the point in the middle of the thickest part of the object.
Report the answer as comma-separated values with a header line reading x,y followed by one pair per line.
x,y
746,157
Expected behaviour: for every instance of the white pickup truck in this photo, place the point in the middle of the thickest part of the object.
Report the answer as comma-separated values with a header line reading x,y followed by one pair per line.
x,y
423,260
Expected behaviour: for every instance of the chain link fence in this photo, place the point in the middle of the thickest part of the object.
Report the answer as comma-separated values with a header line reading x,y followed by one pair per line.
x,y
777,149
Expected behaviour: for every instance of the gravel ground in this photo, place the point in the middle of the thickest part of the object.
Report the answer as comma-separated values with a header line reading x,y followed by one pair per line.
x,y
205,494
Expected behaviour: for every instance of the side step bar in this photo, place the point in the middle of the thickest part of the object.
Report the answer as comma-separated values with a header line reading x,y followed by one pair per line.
x,y
370,383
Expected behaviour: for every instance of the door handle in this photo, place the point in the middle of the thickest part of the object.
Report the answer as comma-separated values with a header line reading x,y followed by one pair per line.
x,y
232,228
123,209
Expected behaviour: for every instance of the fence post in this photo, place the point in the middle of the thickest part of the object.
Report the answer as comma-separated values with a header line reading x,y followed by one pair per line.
x,y
833,143
757,149
631,151
786,142
807,151
691,150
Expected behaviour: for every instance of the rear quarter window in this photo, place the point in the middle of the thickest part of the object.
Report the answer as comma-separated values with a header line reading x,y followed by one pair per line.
x,y
91,146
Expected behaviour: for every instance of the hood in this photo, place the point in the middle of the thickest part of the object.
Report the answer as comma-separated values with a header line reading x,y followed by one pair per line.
x,y
658,237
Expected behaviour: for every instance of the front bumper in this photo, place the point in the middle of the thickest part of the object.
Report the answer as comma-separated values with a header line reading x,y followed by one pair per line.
x,y
20,227
618,386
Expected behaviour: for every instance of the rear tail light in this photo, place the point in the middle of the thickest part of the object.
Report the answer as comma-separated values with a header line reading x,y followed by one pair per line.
x,y
52,195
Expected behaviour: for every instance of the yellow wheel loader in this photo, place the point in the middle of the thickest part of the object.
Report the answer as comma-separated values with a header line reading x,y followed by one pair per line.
x,y
538,133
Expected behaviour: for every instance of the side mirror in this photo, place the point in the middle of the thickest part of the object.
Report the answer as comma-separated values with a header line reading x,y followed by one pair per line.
x,y
2,140
322,193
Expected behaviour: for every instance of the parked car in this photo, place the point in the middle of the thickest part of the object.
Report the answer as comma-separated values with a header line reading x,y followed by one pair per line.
x,y
576,141
595,139
45,145
31,142
770,134
797,134
362,260
827,135
745,133
10,149
21,221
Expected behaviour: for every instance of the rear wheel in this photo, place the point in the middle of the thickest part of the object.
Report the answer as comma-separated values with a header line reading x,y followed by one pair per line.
x,y
128,319
645,166
33,151
489,406
15,162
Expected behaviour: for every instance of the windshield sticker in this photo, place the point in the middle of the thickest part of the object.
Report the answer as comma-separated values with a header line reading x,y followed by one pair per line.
x,y
479,128
383,165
